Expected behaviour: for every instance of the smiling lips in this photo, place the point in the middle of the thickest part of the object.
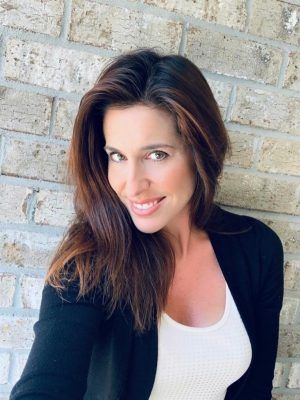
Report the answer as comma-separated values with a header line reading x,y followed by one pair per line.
x,y
146,208
147,201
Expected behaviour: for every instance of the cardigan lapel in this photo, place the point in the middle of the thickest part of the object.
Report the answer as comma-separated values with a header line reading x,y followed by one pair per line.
x,y
142,366
232,264
236,267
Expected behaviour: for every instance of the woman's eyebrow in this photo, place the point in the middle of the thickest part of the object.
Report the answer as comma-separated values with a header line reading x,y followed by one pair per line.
x,y
149,147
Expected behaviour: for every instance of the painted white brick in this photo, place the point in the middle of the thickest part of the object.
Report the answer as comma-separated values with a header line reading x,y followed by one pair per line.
x,y
278,373
54,208
120,28
21,359
16,332
292,78
27,249
289,310
13,203
230,13
35,160
64,119
4,367
260,193
31,292
292,267
277,20
256,107
24,112
7,289
221,92
51,66
228,55
33,15
294,376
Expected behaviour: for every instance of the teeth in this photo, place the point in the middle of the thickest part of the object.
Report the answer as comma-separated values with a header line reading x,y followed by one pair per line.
x,y
145,206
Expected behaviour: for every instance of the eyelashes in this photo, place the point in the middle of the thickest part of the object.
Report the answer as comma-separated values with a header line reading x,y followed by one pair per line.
x,y
163,153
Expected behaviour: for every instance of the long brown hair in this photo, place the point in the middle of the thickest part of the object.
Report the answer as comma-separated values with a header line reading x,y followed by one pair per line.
x,y
102,248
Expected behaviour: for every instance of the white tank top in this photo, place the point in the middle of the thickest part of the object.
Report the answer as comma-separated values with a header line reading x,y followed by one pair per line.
x,y
199,363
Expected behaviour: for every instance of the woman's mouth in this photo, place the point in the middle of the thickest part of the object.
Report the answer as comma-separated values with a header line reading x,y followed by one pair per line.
x,y
146,208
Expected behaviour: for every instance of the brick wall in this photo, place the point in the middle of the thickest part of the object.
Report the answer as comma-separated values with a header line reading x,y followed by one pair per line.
x,y
50,54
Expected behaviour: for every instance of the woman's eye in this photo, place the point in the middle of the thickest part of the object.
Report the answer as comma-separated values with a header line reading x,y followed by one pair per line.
x,y
165,155
161,156
111,154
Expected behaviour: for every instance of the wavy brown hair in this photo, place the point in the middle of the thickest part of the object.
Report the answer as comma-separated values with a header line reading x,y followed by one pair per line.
x,y
102,248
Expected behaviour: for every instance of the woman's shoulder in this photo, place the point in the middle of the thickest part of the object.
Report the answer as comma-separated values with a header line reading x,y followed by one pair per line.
x,y
68,293
241,223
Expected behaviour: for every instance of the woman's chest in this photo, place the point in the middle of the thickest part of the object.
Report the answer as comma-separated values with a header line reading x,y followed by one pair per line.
x,y
197,296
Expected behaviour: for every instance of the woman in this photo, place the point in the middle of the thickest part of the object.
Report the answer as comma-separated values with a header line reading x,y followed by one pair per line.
x,y
155,292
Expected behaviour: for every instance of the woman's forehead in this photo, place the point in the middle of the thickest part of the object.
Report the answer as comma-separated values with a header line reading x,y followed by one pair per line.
x,y
143,125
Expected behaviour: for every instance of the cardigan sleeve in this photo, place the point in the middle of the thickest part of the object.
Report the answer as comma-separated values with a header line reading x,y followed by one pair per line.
x,y
269,307
58,362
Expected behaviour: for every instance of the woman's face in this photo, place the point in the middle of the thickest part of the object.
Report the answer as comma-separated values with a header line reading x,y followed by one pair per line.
x,y
147,162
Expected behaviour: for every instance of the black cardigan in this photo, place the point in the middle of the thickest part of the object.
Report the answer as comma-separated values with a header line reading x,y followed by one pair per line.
x,y
79,354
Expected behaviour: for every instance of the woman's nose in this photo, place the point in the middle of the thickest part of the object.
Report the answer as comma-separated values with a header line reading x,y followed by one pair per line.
x,y
136,181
